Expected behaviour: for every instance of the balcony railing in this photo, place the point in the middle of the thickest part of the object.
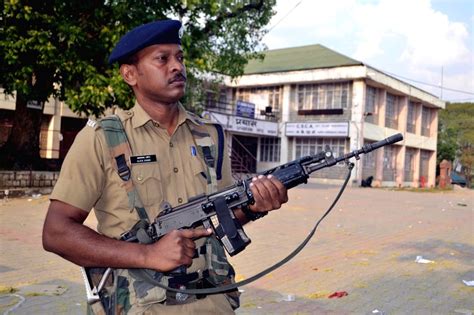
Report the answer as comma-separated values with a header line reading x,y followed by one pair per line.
x,y
229,108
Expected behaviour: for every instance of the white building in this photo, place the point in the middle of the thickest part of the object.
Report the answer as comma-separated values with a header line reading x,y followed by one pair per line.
x,y
298,100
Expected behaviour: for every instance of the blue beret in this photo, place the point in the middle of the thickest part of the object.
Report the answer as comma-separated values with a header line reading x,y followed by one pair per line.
x,y
158,32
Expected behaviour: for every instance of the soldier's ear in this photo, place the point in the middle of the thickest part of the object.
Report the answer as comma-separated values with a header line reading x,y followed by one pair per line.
x,y
129,74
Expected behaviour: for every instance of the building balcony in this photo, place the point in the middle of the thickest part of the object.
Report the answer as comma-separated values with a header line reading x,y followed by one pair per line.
x,y
231,108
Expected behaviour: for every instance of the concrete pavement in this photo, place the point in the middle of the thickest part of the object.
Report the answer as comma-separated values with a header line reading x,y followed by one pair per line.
x,y
366,247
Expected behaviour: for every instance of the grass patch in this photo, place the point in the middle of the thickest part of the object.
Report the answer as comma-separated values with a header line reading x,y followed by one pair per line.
x,y
7,290
31,294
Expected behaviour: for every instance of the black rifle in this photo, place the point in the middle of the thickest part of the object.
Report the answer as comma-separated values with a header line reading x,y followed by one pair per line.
x,y
216,210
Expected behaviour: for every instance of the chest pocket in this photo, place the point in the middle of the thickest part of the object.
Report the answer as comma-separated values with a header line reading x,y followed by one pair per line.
x,y
147,179
199,171
210,153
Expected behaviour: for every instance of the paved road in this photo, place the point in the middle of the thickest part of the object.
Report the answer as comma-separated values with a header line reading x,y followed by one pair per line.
x,y
366,247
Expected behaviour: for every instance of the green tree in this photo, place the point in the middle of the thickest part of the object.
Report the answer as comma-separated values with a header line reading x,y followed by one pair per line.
x,y
456,136
59,48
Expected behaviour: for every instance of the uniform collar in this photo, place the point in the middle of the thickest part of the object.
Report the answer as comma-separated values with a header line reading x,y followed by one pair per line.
x,y
140,116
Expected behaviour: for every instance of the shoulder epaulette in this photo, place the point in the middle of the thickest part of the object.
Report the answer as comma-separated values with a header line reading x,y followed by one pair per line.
x,y
92,123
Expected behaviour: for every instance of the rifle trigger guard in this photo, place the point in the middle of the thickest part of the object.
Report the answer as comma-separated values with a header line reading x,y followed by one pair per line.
x,y
143,237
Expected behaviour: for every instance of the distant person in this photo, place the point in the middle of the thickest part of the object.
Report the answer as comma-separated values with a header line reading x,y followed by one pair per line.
x,y
367,182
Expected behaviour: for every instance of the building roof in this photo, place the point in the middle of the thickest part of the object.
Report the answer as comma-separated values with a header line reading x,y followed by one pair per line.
x,y
299,58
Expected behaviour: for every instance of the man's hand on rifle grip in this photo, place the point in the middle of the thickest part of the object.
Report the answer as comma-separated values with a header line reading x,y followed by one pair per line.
x,y
268,192
175,249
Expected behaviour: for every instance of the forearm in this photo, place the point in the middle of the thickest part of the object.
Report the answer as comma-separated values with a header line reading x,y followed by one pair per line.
x,y
65,235
85,247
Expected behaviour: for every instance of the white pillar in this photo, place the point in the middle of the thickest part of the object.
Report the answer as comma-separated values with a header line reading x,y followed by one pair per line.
x,y
285,117
355,127
53,138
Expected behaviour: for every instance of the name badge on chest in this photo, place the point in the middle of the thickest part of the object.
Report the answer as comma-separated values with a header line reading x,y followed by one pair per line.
x,y
139,159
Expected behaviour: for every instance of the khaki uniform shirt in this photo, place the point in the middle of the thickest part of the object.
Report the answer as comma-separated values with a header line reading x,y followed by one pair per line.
x,y
88,179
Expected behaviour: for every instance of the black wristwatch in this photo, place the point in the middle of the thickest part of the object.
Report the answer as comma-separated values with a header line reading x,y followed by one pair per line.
x,y
252,216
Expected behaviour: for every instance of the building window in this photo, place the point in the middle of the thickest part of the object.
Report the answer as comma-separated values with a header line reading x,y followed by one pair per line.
x,y
368,163
369,159
274,98
270,149
311,146
409,164
389,163
217,100
426,121
424,165
411,117
324,96
370,104
391,112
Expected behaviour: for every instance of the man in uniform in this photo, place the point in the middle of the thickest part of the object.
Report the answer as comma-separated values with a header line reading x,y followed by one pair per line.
x,y
166,170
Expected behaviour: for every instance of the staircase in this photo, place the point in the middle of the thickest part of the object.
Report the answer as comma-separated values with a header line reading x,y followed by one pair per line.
x,y
242,165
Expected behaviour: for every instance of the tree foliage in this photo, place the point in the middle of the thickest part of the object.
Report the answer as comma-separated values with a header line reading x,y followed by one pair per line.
x,y
59,48
456,136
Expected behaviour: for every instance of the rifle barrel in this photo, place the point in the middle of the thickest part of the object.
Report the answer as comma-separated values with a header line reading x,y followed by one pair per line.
x,y
365,149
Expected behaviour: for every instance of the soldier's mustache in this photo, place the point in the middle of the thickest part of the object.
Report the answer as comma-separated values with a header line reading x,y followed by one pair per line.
x,y
180,77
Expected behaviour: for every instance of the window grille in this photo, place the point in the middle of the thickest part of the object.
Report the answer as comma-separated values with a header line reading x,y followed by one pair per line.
x,y
269,149
425,121
370,104
409,164
324,96
391,112
411,117
389,163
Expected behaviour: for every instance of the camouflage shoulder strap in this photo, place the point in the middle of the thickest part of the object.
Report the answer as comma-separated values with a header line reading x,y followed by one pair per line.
x,y
120,153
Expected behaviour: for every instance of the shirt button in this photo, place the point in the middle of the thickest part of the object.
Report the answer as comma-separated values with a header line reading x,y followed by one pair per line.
x,y
180,200
139,178
155,124
171,144
175,170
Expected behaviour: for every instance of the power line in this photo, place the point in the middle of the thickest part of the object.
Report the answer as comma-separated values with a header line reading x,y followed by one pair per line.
x,y
429,84
396,75
299,2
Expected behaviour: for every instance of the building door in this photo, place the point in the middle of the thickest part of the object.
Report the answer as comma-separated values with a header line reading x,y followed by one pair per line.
x,y
244,154
424,167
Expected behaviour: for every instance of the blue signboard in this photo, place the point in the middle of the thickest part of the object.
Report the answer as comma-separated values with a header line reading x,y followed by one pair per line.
x,y
245,109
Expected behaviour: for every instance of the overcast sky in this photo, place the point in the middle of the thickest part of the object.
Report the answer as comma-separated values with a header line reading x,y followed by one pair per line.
x,y
415,39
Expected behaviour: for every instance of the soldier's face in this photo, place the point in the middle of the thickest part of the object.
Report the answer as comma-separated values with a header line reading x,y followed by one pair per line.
x,y
161,73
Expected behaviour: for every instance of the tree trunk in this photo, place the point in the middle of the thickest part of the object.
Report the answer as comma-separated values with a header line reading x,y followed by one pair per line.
x,y
22,150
